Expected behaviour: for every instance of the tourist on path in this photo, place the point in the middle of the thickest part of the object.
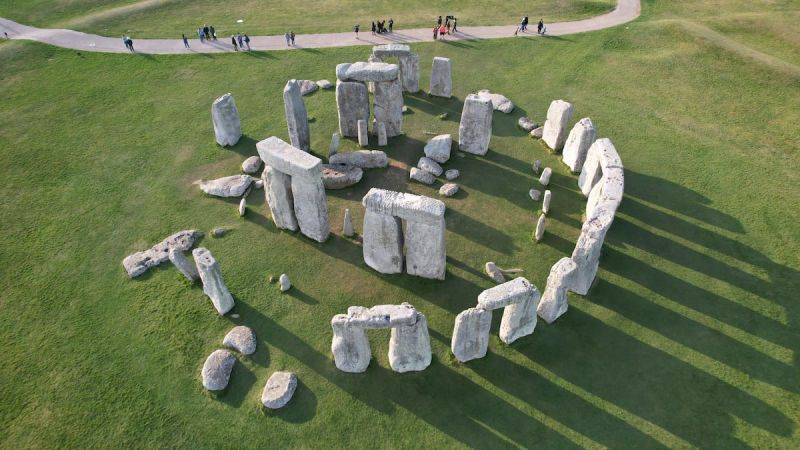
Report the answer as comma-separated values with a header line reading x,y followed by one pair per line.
x,y
373,28
213,32
292,36
540,27
391,25
125,41
185,41
129,43
240,39
447,25
455,24
200,34
523,26
6,34
442,32
233,42
439,22
435,32
288,39
206,31
355,28
247,41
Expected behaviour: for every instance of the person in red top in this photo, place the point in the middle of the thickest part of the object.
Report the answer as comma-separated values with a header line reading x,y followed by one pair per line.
x,y
442,31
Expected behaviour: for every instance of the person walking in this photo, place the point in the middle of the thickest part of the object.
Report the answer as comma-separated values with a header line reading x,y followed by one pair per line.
x,y
455,24
292,36
288,39
523,26
439,22
233,42
130,44
241,40
391,25
200,34
247,41
6,35
125,41
185,41
447,25
442,31
213,32
206,32
435,32
540,27
373,28
355,28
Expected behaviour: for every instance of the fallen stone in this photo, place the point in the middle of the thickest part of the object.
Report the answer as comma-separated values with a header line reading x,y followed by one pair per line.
x,y
324,84
307,86
577,145
540,224
225,116
296,116
334,147
340,176
471,334
217,370
410,346
544,179
535,194
423,176
546,201
441,80
537,133
448,189
242,339
527,124
279,390
182,263
251,165
232,186
213,285
352,104
363,137
494,273
242,207
499,102
365,159
285,283
452,174
475,129
554,300
347,226
430,165
138,263
555,127
438,148
382,138
367,71
218,232
508,293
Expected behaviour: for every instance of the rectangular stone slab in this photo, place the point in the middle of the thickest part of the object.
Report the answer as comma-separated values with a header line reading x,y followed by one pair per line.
x,y
296,116
383,242
352,105
426,250
405,206
311,207
555,127
278,194
471,334
382,316
508,293
367,71
288,159
391,50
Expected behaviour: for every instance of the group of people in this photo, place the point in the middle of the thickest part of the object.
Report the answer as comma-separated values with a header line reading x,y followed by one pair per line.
x,y
289,36
449,26
239,41
379,26
206,33
523,26
128,42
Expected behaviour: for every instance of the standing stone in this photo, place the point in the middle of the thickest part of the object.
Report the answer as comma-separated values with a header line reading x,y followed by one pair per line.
x,y
217,370
540,228
388,106
546,201
438,148
426,249
555,127
383,242
519,319
278,194
409,72
285,283
578,142
363,137
602,155
608,192
382,138
586,254
279,390
441,81
545,178
242,339
334,147
225,116
350,346
554,299
475,129
213,285
536,166
352,104
242,206
430,165
347,227
410,346
296,116
182,263
471,334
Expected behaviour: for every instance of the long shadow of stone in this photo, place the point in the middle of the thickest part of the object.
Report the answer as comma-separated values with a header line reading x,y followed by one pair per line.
x,y
479,232
241,382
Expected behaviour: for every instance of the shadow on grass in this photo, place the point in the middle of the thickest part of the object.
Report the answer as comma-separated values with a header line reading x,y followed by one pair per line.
x,y
301,408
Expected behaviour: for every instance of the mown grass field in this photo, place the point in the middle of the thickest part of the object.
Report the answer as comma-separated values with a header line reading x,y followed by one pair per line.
x,y
688,339
170,18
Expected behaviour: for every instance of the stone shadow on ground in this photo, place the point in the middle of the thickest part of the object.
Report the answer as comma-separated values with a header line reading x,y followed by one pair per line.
x,y
304,396
241,382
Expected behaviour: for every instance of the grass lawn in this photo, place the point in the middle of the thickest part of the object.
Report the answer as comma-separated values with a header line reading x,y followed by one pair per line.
x,y
688,339
170,18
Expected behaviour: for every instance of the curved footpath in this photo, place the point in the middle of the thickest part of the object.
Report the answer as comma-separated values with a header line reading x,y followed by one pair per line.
x,y
625,11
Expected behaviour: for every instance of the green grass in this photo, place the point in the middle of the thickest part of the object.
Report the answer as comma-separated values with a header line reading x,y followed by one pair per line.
x,y
170,18
688,339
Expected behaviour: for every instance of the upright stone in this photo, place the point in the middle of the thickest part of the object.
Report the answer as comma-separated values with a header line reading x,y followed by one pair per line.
x,y
441,78
508,293
586,254
519,318
225,116
381,131
213,285
540,224
555,127
383,242
544,179
334,147
388,106
475,129
471,334
554,299
296,116
426,250
363,136
578,142
350,346
352,104
546,201
409,72
347,226
278,194
182,263
410,346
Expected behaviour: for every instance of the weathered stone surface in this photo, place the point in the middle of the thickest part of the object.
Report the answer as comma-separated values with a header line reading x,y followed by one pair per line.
x,y
508,293
307,86
347,226
586,254
352,104
544,179
225,116
340,176
242,339
471,334
213,285
535,194
289,159
242,206
426,250
232,186
182,263
138,263
423,176
519,319
527,124
441,80
438,148
285,284
324,84
448,189
388,106
219,232
217,370
607,193
554,300
363,136
251,165
537,132
383,242
540,224
475,129
430,165
365,159
578,142
279,390
410,346
536,166
452,174
416,208
278,194
499,102
311,207
409,72
367,71
494,272
382,316
380,130
334,147
350,346
546,201
555,127
296,116
601,155
391,50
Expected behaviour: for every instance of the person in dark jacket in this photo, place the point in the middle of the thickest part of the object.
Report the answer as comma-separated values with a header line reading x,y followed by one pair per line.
x,y
233,43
